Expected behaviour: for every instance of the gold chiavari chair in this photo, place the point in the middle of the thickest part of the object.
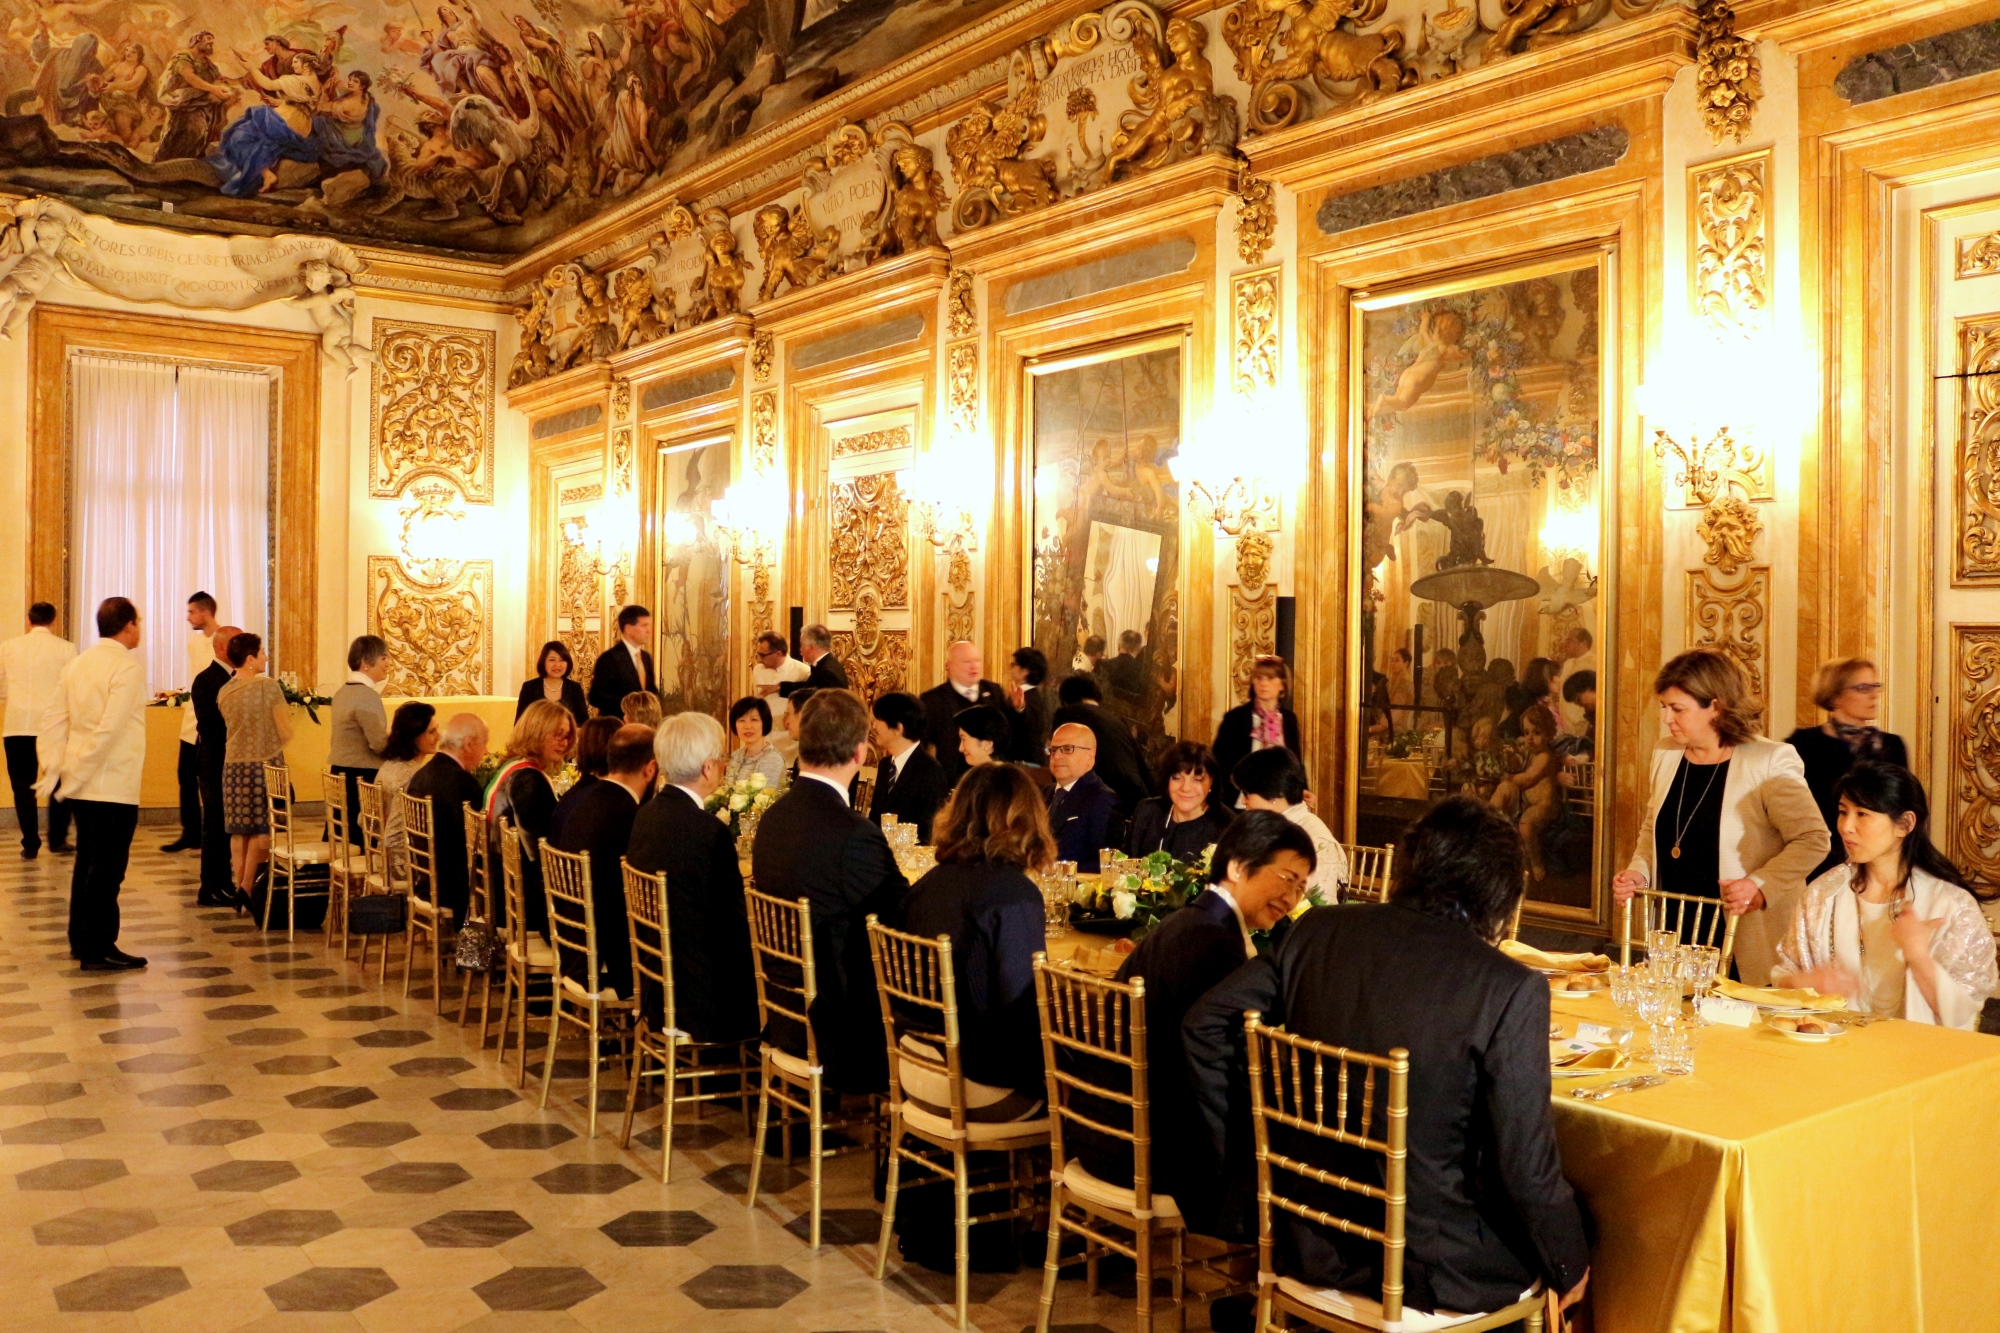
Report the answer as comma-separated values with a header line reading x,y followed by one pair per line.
x,y
1305,1093
478,907
288,855
1368,871
573,931
429,922
913,978
1094,1026
528,955
677,1055
1583,787
347,864
1695,920
1520,905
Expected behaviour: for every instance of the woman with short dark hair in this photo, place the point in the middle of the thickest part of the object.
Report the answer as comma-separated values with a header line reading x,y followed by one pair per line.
x,y
1030,704
1182,818
1263,721
593,761
750,722
413,740
982,730
554,681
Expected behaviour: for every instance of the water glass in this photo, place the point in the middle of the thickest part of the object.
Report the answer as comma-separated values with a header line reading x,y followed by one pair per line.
x,y
1055,903
1702,964
1658,995
1673,1045
1661,943
889,827
1111,862
1625,987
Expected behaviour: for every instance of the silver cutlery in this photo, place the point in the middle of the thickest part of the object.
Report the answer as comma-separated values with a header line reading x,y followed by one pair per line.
x,y
1599,1093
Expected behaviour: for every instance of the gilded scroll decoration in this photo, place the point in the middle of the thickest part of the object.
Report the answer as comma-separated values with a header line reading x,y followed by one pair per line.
x,y
1254,298
1728,530
1320,47
958,595
1975,753
763,351
1253,608
1735,619
961,383
431,411
621,459
1728,77
761,610
621,399
1730,266
961,307
1979,256
764,431
1978,463
870,442
440,638
1256,218
877,660
791,250
869,553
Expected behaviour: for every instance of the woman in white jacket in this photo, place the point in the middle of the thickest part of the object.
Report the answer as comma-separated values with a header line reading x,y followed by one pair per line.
x,y
1894,929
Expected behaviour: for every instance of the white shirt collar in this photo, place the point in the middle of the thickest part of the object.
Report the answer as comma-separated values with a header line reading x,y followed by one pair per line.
x,y
821,777
1249,945
361,678
969,692
901,761
634,649
700,801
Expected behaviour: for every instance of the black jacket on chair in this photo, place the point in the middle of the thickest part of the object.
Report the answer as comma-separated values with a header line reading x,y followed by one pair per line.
x,y
1085,820
715,987
913,798
572,698
1119,761
601,828
614,677
942,705
528,799
1232,742
811,845
451,789
1489,1210
826,674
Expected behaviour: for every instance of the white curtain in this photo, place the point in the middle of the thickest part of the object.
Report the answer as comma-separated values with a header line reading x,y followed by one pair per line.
x,y
170,489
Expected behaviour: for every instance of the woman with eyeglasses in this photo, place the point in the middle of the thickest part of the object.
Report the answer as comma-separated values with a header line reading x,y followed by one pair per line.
x,y
1851,693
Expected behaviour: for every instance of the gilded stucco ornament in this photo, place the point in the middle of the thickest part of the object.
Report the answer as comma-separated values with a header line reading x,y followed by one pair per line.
x,y
440,636
789,251
1256,218
989,149
1728,530
1977,465
1732,277
1734,617
1975,752
1254,315
1285,47
961,307
763,353
431,409
1728,78
912,201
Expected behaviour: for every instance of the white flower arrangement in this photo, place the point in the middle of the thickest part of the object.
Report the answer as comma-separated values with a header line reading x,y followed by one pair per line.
x,y
744,799
1123,904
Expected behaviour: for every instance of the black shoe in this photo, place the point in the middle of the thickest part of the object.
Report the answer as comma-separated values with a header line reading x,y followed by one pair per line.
x,y
110,965
181,845
62,849
29,853
207,899
123,959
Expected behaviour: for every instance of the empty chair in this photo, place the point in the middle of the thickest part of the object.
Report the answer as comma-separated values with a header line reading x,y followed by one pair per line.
x,y
289,856
526,957
379,875
479,907
1694,919
1368,872
347,864
429,923
573,931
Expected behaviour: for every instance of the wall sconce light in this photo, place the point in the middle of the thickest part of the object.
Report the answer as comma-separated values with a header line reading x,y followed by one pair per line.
x,y
606,537
1235,467
1705,415
748,517
940,506
431,544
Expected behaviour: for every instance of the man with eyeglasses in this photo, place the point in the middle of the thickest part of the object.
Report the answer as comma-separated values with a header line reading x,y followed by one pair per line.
x,y
1083,811
773,666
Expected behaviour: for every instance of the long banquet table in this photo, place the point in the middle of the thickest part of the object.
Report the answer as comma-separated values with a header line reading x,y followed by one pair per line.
x,y
1783,1187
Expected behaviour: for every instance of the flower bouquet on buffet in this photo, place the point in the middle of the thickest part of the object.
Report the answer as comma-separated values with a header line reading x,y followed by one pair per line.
x,y
311,699
741,803
1136,895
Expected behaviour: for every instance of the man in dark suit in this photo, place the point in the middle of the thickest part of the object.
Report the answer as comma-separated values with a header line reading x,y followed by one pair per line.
x,y
1118,759
1418,972
816,651
1029,706
909,784
812,845
1124,675
1083,812
962,689
715,987
601,828
626,666
218,882
447,779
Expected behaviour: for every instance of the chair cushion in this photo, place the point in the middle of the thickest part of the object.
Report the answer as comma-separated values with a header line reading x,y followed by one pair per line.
x,y
931,1091
790,1064
1119,1198
607,997
1355,1307
396,884
540,956
303,853
355,866
976,1131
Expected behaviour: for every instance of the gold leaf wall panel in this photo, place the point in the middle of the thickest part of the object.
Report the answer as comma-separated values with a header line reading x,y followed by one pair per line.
x,y
1736,619
1974,842
431,410
1979,256
440,638
1255,312
1730,266
870,442
870,526
877,660
961,385
1977,474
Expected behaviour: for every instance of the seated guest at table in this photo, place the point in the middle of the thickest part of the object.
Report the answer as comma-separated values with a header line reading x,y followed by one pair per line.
x,y
1183,820
1535,693
755,752
413,739
523,792
601,828
553,681
1730,814
1119,761
449,782
259,724
715,985
1259,870
1490,1213
1264,721
812,845
963,688
358,725
1275,780
1851,693
642,708
625,665
981,738
593,744
789,725
1029,706
1083,812
1895,929
909,784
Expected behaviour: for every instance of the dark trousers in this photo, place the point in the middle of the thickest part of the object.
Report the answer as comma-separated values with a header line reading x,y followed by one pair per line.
x,y
218,877
354,778
103,846
22,769
188,770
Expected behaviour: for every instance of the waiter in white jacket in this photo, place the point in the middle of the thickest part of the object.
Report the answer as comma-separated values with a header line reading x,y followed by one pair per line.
x,y
93,753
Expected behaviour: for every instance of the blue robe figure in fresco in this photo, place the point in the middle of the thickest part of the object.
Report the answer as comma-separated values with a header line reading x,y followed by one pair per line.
x,y
267,134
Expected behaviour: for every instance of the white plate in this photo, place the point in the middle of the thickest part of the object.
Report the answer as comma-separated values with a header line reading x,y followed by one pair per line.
x,y
1812,1037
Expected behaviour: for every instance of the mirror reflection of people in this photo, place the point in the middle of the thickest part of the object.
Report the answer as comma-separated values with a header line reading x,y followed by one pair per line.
x,y
554,681
756,751
1182,818
1851,693
1533,797
1263,721
1124,675
1083,811
1118,759
982,735
1894,929
1730,815
1579,690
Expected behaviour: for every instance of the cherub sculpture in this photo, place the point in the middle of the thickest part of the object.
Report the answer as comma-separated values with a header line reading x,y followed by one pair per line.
x,y
723,276
1538,22
29,257
1468,533
1323,47
1177,113
531,362
637,323
785,249
329,300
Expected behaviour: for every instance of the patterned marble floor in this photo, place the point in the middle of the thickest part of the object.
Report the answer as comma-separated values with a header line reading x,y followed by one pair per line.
x,y
250,1135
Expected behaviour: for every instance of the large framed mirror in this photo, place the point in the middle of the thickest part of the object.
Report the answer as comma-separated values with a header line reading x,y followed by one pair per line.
x,y
1474,419
692,620
1104,557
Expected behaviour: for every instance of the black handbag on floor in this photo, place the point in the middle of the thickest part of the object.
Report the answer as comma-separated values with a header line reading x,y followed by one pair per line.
x,y
378,913
311,881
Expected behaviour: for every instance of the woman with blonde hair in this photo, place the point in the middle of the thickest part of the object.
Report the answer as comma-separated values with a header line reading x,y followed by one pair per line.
x,y
1264,721
523,791
1730,815
1850,692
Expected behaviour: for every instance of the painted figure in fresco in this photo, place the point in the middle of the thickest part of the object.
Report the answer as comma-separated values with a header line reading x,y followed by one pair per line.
x,y
63,91
125,97
1435,346
424,165
197,101
270,132
345,125
1388,515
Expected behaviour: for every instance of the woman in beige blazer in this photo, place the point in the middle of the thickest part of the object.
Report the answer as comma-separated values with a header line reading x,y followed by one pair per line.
x,y
1730,816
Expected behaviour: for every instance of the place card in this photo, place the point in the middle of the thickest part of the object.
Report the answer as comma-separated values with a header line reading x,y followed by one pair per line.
x,y
1722,1009
1603,1034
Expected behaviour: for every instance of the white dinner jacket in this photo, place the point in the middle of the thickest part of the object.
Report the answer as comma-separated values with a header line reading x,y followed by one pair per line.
x,y
1772,832
93,739
30,667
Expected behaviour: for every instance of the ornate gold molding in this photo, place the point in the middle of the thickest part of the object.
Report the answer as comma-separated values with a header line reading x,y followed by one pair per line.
x,y
1975,752
764,431
583,494
763,349
1979,256
1256,217
1729,243
1253,608
961,307
431,408
1977,472
440,637
1254,302
1734,618
621,460
961,383
1728,529
870,442
868,556
1728,77
1705,470
877,660
959,600
761,609
621,399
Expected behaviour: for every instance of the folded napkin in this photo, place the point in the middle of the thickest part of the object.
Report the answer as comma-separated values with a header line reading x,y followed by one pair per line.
x,y
1563,1055
1554,962
1806,998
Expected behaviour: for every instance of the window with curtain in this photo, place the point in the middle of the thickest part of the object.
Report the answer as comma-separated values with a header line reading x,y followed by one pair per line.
x,y
169,495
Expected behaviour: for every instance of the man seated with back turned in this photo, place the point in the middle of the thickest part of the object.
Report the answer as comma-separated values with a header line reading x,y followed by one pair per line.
x,y
1489,1211
1083,812
448,781
812,845
909,784
601,828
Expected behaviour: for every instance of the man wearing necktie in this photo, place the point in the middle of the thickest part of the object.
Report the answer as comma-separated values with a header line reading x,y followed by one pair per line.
x,y
909,784
1083,811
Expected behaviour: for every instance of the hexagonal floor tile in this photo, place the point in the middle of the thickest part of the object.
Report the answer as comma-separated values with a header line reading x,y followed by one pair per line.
x,y
471,1229
330,1289
689,1138
212,1133
538,1288
777,1178
657,1230
184,1094
416,1177
159,1062
119,1289
743,1287
587,1178
369,1134
921,1286
304,973
332,990
126,1009
94,1226
297,1064
360,1013
39,1094
71,1173
430,1066
330,1097
527,1134
245,1177
392,1038
27,1062
221,990
238,1013
53,1129
475,1099
197,973
265,1037
13,1035
281,956
284,1226
840,1226
139,1036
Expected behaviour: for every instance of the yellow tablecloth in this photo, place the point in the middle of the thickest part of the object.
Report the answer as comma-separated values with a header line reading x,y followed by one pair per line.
x,y
160,785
